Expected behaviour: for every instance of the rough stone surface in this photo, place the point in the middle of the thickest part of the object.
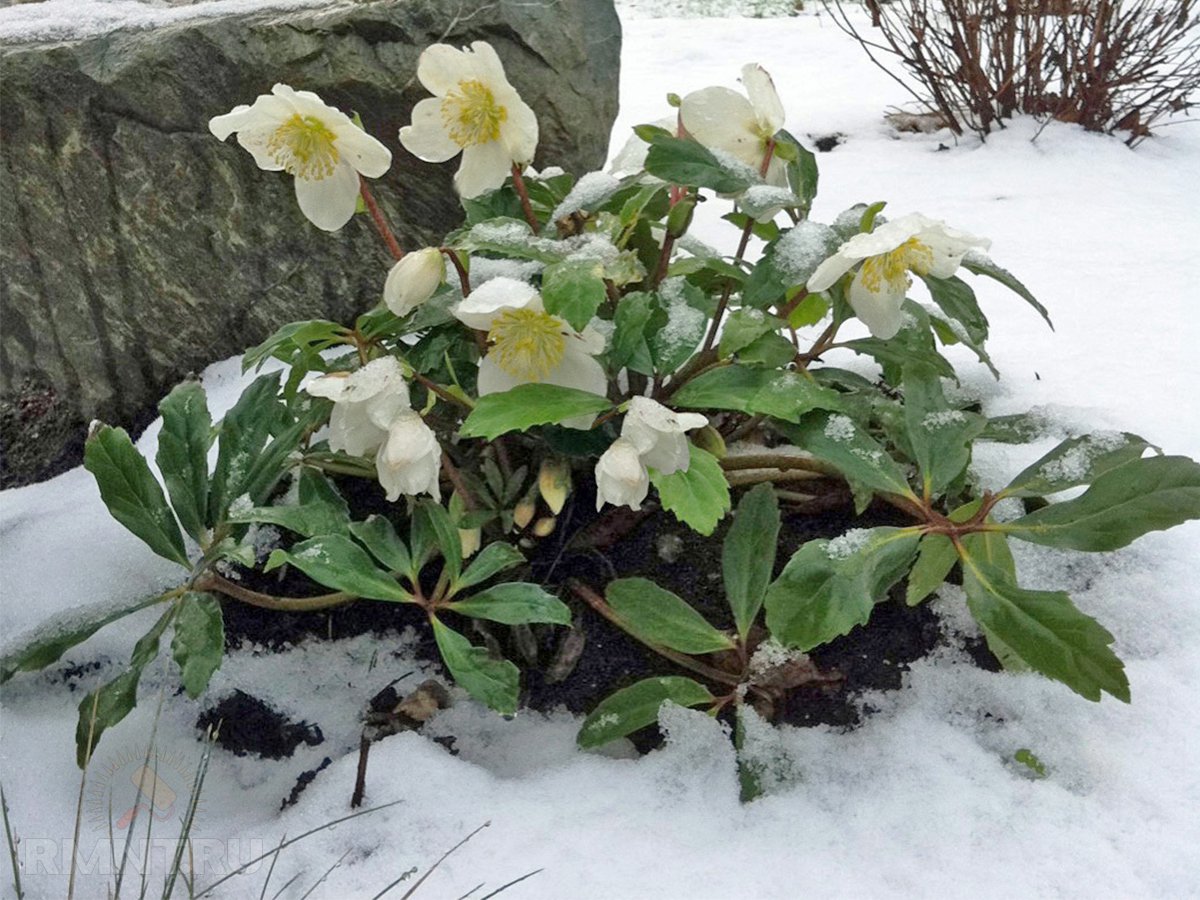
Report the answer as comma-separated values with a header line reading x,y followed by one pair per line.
x,y
135,247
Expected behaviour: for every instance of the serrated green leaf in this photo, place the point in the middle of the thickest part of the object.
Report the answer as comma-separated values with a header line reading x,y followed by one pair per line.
x,y
515,603
829,587
337,562
1121,505
784,395
743,327
494,682
378,536
841,442
660,617
131,493
637,706
199,641
1076,461
748,555
939,434
685,162
312,335
527,405
699,496
321,511
772,351
1046,630
491,560
574,290
183,454
978,264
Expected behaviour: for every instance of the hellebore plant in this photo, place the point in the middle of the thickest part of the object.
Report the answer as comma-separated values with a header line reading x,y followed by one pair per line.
x,y
604,357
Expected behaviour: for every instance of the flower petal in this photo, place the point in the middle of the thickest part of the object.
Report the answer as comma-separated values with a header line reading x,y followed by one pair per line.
x,y
494,296
763,97
880,312
722,119
426,138
520,132
580,371
441,67
488,66
330,202
830,271
484,168
368,155
621,476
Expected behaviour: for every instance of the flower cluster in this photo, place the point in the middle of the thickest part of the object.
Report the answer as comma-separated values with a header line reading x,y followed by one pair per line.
x,y
652,437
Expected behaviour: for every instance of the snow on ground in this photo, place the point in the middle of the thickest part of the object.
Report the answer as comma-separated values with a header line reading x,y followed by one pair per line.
x,y
923,799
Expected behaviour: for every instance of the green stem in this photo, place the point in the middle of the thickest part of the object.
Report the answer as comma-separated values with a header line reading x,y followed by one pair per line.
x,y
211,581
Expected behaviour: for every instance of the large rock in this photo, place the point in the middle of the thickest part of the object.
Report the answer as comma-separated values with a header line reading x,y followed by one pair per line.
x,y
136,247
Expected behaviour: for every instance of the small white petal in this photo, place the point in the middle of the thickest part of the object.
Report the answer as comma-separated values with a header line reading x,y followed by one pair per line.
x,y
332,386
519,133
487,63
410,460
880,312
830,271
236,119
365,153
441,67
763,97
580,371
330,202
484,168
426,138
621,476
658,434
413,280
493,297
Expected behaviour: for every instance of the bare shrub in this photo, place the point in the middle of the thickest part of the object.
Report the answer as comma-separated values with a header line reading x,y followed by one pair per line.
x,y
1108,65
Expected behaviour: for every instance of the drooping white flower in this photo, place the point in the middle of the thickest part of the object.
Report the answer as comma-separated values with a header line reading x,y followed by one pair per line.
x,y
724,120
659,435
474,111
621,476
296,132
413,280
912,243
529,344
365,403
410,459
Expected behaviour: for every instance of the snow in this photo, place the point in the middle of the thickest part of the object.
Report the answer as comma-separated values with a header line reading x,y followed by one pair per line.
x,y
839,428
924,799
590,189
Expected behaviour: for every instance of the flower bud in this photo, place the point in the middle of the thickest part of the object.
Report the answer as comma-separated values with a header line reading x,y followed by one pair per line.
x,y
621,476
544,527
554,483
470,539
413,280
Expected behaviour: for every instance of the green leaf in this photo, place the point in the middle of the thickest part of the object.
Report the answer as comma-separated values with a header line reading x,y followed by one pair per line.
x,y
312,336
574,290
686,311
900,352
660,617
244,433
935,558
431,517
978,264
748,556
1121,505
802,172
59,633
1020,428
509,237
515,603
685,162
829,587
940,435
322,509
811,310
378,536
743,327
337,562
784,395
111,702
271,464
699,497
1076,461
199,641
527,405
957,300
183,454
771,350
636,319
131,493
841,442
495,682
1046,630
491,560
637,706
789,263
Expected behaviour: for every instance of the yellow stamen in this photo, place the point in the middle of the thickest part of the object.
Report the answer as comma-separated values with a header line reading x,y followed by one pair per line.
x,y
527,344
471,114
894,266
304,146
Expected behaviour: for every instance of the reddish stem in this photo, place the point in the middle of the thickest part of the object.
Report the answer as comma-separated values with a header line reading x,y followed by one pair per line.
x,y
523,193
381,224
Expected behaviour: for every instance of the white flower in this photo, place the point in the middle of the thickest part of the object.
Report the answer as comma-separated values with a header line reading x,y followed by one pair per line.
x,y
725,121
365,403
410,459
296,132
413,280
474,110
528,344
658,434
912,243
621,476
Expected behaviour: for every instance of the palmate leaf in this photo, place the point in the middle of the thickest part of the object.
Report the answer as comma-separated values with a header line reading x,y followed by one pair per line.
x,y
1045,630
495,682
699,496
660,617
637,706
748,555
183,454
527,405
131,492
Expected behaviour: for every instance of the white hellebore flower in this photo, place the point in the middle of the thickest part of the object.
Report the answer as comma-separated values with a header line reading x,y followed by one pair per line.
x,y
529,344
413,280
474,110
725,121
296,132
365,403
621,476
410,459
658,434
912,243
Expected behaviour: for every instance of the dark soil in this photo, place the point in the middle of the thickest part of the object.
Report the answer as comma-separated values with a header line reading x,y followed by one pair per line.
x,y
871,657
244,724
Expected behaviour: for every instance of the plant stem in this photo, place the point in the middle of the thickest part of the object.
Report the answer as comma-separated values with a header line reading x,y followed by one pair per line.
x,y
664,260
442,392
782,461
460,485
464,279
381,224
211,581
715,327
596,602
523,193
